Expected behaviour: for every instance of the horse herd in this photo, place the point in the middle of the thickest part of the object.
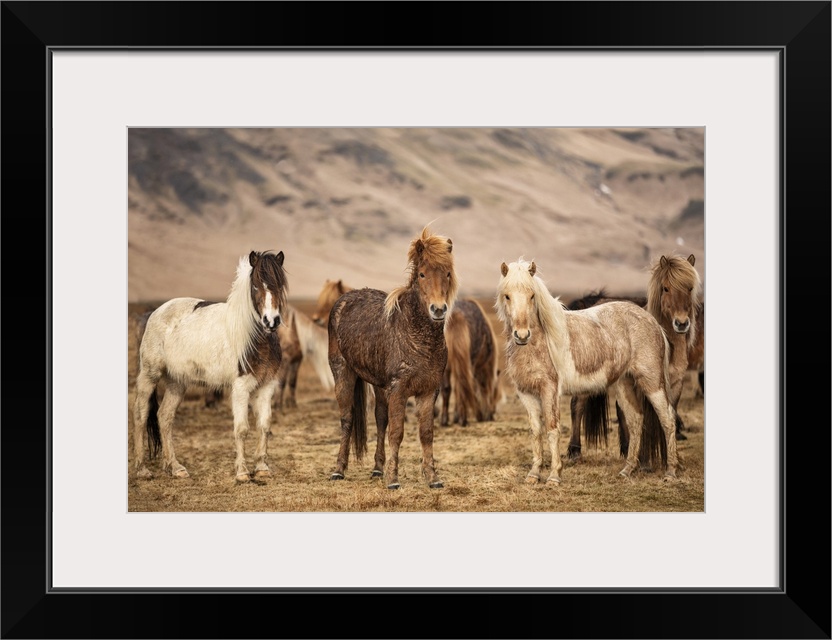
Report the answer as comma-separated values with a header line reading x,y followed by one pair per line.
x,y
377,350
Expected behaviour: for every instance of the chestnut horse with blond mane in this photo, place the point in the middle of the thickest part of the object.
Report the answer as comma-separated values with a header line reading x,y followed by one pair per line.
x,y
396,343
552,351
471,374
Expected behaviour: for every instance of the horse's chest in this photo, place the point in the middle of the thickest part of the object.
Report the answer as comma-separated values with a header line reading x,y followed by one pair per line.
x,y
531,370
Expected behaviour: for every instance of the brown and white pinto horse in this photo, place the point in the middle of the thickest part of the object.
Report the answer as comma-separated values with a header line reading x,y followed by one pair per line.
x,y
551,351
396,343
471,374
231,344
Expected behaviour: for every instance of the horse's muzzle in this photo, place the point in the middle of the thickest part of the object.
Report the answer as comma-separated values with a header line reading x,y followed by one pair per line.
x,y
521,340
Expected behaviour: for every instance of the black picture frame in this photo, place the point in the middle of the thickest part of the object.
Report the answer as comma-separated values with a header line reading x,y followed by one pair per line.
x,y
800,608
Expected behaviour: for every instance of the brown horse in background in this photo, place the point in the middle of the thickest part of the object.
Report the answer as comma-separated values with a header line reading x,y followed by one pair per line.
x,y
472,372
301,339
396,343
673,299
332,290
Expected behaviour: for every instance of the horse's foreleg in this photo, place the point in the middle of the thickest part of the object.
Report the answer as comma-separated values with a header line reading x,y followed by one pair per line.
x,y
262,406
395,434
174,393
551,416
380,412
141,408
240,393
664,410
424,413
534,409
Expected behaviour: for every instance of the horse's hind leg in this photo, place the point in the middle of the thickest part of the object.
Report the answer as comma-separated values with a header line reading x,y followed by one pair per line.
x,y
261,404
145,387
174,393
576,407
631,411
345,380
446,398
381,431
664,410
240,393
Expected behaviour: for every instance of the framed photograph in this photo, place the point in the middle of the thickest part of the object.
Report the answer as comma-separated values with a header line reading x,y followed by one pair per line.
x,y
81,78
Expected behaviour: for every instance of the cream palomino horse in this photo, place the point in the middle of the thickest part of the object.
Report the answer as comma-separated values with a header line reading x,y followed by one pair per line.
x,y
551,350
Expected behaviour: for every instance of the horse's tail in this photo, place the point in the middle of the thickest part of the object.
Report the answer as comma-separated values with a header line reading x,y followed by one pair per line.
x,y
314,345
596,420
623,431
458,341
653,442
359,419
154,437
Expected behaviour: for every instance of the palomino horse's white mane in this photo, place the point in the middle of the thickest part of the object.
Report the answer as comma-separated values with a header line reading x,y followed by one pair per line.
x,y
548,308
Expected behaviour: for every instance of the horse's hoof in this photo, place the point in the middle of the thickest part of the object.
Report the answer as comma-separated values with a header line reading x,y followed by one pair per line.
x,y
242,477
144,474
669,477
532,479
624,473
336,476
262,474
436,485
394,485
181,473
375,474
554,481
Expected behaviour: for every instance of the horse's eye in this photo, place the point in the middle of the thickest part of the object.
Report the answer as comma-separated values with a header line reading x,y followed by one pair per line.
x,y
665,289
532,297
507,298
691,289
449,275
421,275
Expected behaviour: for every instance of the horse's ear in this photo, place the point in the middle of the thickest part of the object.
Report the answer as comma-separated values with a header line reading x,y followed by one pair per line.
x,y
252,258
663,261
532,268
450,245
280,258
340,286
692,259
504,268
419,246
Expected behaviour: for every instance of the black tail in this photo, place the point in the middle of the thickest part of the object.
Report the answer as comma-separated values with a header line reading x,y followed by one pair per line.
x,y
154,438
653,442
623,431
596,420
359,419
702,382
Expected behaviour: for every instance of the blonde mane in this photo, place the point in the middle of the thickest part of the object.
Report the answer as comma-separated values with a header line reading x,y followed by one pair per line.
x,y
434,250
681,275
549,310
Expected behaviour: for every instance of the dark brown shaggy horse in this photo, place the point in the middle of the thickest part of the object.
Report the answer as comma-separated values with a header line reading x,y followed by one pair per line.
x,y
396,343
471,374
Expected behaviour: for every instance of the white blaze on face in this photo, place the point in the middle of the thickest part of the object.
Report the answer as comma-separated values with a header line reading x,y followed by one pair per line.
x,y
271,314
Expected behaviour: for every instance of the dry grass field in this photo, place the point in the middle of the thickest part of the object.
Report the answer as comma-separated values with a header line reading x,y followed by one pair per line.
x,y
483,465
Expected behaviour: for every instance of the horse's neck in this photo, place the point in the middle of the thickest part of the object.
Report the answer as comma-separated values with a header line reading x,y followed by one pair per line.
x,y
240,321
413,314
